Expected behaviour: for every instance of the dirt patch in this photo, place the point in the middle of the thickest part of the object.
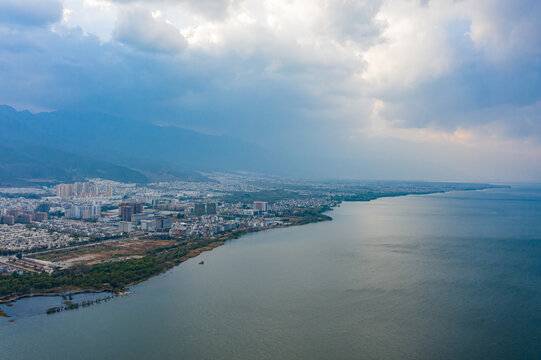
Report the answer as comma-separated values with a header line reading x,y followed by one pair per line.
x,y
105,252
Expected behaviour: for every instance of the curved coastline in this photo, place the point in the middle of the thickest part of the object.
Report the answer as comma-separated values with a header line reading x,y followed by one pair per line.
x,y
214,243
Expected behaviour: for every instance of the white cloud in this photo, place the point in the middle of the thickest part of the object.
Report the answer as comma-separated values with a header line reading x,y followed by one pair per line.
x,y
143,30
504,29
96,17
209,9
414,44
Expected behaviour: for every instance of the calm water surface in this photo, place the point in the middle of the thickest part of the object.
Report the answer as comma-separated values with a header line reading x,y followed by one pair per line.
x,y
448,276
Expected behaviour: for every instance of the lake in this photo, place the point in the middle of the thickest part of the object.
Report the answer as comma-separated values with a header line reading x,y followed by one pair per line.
x,y
444,276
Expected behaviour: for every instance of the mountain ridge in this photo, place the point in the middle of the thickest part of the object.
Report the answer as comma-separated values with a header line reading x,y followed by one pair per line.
x,y
157,152
23,164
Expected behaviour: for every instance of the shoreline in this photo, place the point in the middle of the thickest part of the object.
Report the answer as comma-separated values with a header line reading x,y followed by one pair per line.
x,y
191,254
62,291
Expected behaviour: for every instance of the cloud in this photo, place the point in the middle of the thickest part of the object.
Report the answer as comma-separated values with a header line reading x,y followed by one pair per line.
x,y
504,30
353,21
414,45
140,29
30,12
210,9
402,82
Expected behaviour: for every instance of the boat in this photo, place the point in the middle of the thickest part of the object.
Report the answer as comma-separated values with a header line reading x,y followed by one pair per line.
x,y
201,262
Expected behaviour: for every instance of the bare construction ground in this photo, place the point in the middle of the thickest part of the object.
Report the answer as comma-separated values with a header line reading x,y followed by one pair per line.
x,y
104,252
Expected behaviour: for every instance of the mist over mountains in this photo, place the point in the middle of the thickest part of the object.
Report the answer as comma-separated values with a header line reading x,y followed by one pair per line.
x,y
66,145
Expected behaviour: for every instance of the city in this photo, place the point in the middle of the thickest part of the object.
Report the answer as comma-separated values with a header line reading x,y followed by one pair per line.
x,y
68,216
100,221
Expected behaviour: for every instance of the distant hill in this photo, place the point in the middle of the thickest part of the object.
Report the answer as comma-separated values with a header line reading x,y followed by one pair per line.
x,y
150,151
22,165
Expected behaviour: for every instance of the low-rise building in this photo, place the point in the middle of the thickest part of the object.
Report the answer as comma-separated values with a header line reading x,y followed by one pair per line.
x,y
125,226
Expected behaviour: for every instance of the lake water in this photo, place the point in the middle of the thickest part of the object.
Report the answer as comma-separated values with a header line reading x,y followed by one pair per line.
x,y
446,276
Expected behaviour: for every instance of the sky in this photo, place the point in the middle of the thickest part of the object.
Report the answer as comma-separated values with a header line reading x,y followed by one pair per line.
x,y
371,89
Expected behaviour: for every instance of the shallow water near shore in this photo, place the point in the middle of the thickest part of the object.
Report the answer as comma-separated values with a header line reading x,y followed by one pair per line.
x,y
38,305
446,276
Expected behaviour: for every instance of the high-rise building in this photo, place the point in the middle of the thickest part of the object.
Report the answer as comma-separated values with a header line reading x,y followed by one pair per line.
x,y
162,223
125,226
96,209
79,189
211,208
86,212
64,191
8,219
74,212
260,205
136,218
40,216
125,211
137,208
199,209
25,218
147,225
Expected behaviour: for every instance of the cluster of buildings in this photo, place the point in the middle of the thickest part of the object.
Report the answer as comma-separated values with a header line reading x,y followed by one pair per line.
x,y
128,210
102,209
209,226
261,206
21,238
20,210
292,206
14,216
12,264
200,209
149,223
192,219
82,190
82,230
83,211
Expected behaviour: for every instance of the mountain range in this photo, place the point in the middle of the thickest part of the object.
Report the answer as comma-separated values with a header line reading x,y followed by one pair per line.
x,y
50,147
